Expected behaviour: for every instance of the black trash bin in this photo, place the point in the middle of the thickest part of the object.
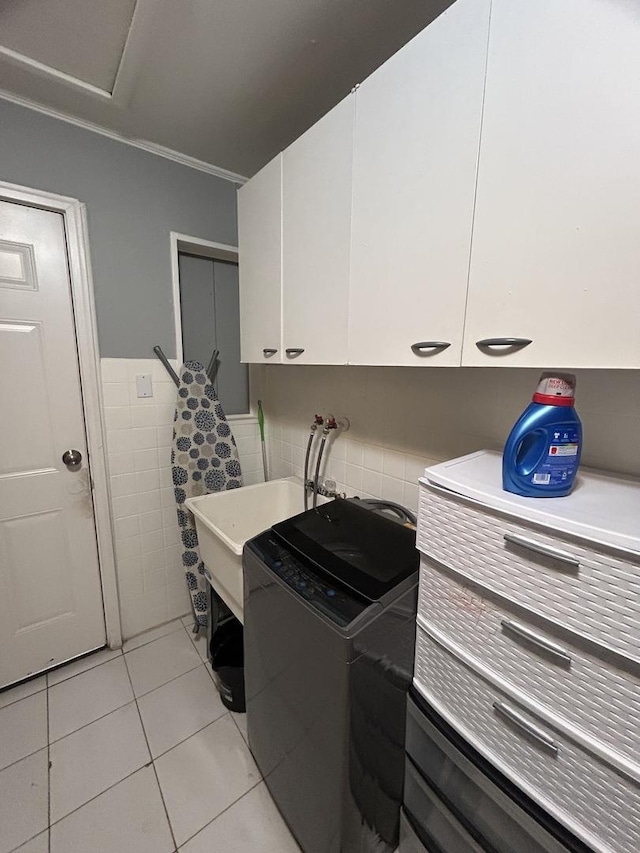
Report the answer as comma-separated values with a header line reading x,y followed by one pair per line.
x,y
227,662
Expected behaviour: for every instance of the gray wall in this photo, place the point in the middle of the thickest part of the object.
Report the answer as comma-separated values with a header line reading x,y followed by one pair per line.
x,y
134,199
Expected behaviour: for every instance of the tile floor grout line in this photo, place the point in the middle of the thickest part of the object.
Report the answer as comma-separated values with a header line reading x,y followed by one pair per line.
x,y
154,759
190,633
88,669
242,735
184,740
153,764
97,719
175,678
193,637
42,748
226,809
164,805
28,841
142,645
205,660
28,696
124,778
77,808
58,668
150,763
28,755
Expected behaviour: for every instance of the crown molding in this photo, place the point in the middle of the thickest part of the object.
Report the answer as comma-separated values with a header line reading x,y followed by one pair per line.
x,y
149,147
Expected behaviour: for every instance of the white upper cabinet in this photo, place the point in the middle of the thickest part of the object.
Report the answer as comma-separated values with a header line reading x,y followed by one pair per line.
x,y
556,241
316,224
415,157
260,265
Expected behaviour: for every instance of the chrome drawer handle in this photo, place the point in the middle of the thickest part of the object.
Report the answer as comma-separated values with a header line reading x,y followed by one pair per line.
x,y
545,550
520,722
504,342
269,351
426,345
536,640
294,350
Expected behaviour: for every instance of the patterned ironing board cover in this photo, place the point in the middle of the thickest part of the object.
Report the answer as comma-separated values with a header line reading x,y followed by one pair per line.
x,y
204,459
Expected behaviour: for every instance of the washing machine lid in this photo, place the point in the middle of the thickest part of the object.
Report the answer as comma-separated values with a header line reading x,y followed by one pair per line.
x,y
358,548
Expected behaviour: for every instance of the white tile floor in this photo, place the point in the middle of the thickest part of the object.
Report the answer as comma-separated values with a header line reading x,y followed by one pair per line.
x,y
132,752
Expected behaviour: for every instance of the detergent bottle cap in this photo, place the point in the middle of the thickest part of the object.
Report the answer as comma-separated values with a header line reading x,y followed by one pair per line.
x,y
555,389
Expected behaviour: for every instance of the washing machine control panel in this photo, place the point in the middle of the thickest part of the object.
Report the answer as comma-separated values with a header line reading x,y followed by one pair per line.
x,y
322,592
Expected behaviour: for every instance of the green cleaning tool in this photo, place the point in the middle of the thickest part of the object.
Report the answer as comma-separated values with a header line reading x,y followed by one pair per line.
x,y
264,448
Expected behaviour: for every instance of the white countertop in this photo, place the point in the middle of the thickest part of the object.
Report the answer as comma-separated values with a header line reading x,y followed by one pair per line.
x,y
603,508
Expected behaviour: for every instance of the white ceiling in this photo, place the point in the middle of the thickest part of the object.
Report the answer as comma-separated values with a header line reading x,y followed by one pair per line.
x,y
229,82
91,47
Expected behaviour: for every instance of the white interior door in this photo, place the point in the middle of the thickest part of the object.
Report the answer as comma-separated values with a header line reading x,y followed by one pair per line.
x,y
51,605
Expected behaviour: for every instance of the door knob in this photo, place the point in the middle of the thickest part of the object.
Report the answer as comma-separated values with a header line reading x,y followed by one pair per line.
x,y
71,458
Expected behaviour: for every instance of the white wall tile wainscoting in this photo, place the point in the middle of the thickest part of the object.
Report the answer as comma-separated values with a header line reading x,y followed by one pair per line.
x,y
151,583
403,419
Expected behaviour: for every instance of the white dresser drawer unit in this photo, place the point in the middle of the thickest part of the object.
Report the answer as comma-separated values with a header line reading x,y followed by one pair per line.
x,y
591,588
598,696
598,804
528,640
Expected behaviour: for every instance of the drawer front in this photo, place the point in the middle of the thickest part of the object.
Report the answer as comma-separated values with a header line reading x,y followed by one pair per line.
x,y
600,598
601,700
409,841
593,801
435,820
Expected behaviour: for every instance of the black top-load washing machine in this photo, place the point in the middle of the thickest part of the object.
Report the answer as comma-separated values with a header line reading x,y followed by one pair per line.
x,y
330,604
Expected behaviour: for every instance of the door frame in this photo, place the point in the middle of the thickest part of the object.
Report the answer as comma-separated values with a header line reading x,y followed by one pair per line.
x,y
74,214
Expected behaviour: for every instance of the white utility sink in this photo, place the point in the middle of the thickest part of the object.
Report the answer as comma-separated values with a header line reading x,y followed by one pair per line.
x,y
225,520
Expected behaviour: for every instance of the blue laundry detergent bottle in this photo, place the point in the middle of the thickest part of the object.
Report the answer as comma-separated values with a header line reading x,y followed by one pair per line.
x,y
542,453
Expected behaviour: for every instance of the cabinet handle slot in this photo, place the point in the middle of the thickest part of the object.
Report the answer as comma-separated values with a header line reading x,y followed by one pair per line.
x,y
528,728
294,351
546,550
269,351
419,348
512,343
536,640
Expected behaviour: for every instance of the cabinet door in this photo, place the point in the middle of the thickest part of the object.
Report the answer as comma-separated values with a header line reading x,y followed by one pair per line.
x,y
260,265
415,157
316,227
556,241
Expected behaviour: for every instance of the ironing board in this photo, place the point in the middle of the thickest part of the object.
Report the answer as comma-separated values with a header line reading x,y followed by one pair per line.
x,y
204,459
